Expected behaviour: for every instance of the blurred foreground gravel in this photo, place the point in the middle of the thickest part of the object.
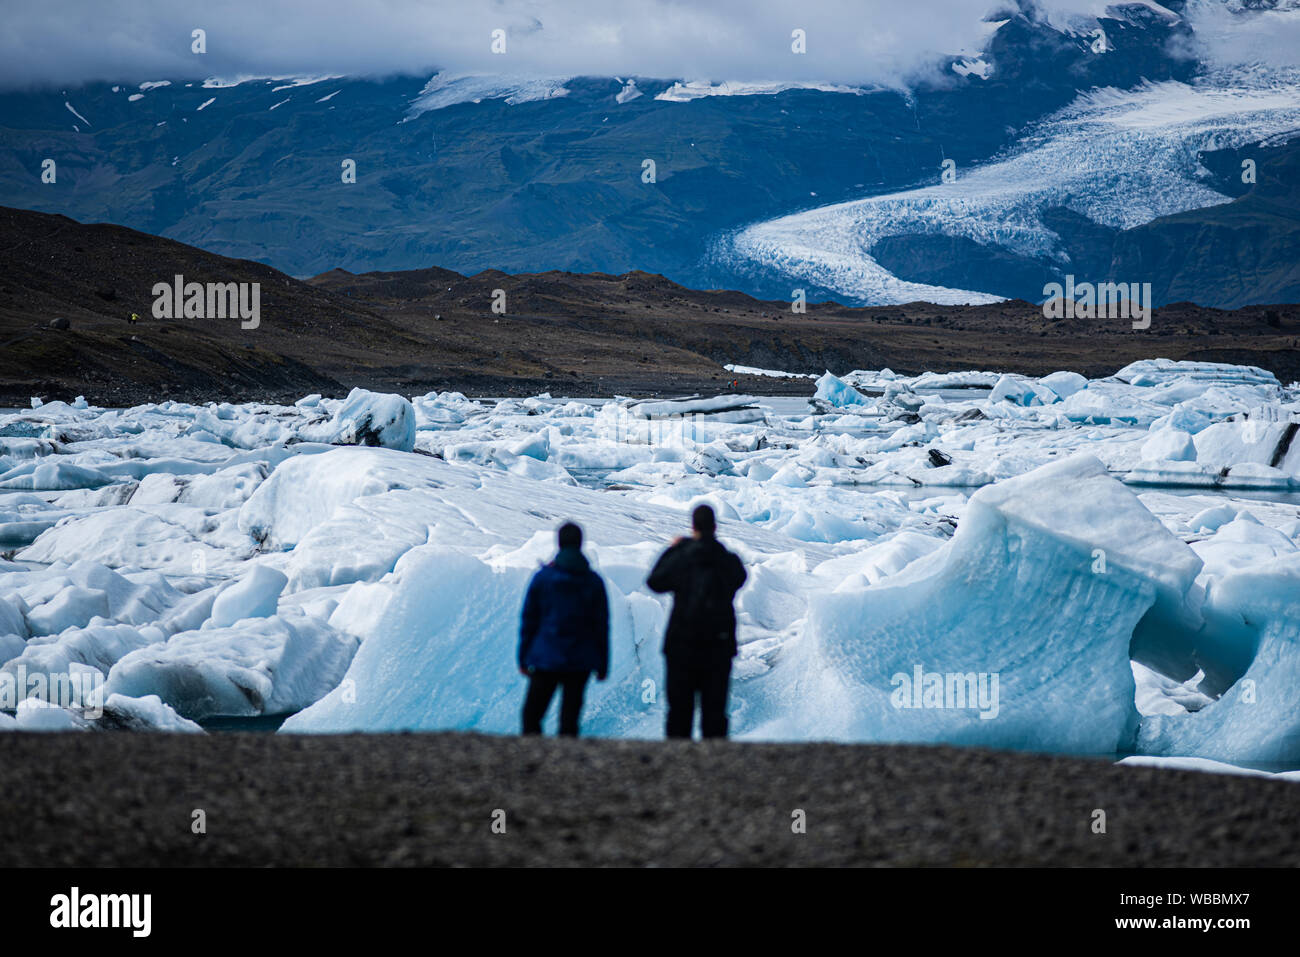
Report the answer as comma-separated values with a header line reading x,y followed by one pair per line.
x,y
115,799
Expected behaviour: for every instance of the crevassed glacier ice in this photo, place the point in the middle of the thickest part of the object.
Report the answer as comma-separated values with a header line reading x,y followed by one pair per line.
x,y
1080,158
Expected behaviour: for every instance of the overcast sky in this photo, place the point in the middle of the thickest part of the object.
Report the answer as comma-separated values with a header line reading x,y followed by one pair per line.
x,y
67,42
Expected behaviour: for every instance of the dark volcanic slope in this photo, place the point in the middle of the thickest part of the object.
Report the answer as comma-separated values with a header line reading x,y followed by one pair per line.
x,y
429,799
568,333
96,276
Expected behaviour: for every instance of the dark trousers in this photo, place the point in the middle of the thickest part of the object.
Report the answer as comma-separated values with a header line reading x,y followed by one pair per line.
x,y
708,678
541,688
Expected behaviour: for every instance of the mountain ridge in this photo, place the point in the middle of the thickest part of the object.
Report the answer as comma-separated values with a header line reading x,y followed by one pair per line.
x,y
68,290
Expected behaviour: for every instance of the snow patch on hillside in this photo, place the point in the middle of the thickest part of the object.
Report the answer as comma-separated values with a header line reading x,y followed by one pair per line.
x,y
450,89
684,92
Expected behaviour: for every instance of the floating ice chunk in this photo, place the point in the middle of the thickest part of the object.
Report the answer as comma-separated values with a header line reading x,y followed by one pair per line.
x,y
1186,417
1064,384
709,460
438,649
1251,440
362,541
1255,720
11,646
756,470
1152,372
100,645
535,469
72,606
439,645
536,446
368,418
124,536
225,488
877,562
159,488
1209,519
36,715
12,620
257,666
722,509
767,373
241,432
190,612
791,475
1255,475
1169,445
52,477
253,596
1015,597
1157,694
149,713
439,410
62,599
1241,543
965,379
736,409
1104,403
303,492
839,393
1023,391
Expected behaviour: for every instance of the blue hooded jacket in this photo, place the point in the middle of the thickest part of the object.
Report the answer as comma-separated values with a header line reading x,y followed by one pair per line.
x,y
565,621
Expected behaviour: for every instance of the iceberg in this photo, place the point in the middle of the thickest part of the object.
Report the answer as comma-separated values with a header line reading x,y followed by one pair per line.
x,y
839,393
1014,634
254,667
368,418
905,549
1255,720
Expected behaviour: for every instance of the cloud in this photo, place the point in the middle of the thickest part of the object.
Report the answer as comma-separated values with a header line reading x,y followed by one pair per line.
x,y
848,41
1226,38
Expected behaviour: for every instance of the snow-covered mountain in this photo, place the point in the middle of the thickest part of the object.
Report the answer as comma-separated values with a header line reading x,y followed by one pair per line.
x,y
1072,141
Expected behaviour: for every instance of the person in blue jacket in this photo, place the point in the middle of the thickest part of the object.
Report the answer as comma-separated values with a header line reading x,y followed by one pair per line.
x,y
563,634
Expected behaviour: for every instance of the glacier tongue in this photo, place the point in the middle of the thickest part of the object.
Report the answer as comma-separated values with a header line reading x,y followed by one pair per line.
x,y
1029,608
1080,158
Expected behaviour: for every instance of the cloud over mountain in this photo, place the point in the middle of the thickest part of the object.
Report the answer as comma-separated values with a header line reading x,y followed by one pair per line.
x,y
848,41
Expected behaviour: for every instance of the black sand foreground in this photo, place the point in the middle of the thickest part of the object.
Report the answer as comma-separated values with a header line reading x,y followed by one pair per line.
x,y
118,799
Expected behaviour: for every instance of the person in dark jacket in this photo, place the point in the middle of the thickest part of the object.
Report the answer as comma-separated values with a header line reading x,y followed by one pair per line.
x,y
563,634
701,637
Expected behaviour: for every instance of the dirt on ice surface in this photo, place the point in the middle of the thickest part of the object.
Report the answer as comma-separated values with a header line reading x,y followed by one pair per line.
x,y
429,799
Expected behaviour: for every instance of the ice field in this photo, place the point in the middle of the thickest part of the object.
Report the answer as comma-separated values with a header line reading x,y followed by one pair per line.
x,y
1099,566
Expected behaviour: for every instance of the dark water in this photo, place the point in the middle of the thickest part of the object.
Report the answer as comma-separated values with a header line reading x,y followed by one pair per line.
x,y
262,722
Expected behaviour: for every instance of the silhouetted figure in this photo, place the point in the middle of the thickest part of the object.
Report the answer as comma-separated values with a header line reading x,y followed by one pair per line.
x,y
563,634
701,638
